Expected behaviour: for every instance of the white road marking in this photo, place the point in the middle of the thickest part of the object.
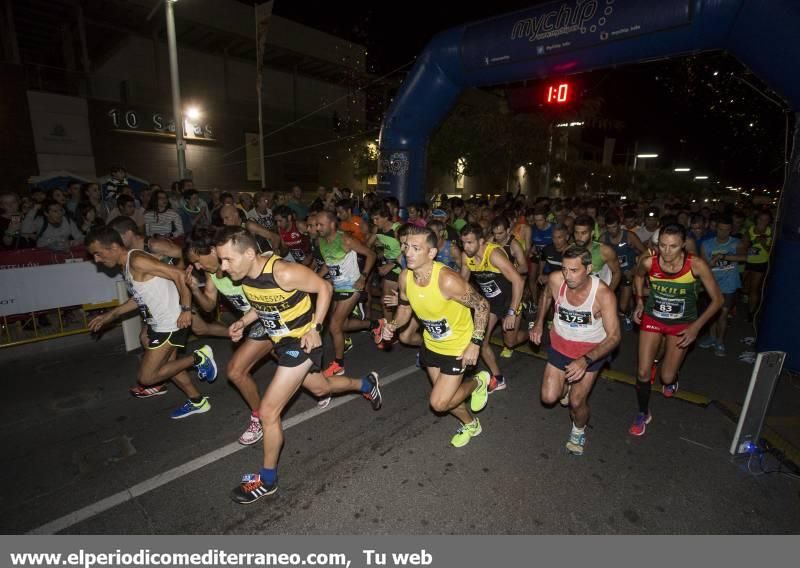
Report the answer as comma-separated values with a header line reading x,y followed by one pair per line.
x,y
170,475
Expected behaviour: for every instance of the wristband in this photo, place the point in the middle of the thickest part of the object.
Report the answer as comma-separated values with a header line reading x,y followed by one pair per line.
x,y
186,308
402,302
511,312
531,325
589,360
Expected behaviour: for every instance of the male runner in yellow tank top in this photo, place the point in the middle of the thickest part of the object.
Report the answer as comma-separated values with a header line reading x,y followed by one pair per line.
x,y
452,337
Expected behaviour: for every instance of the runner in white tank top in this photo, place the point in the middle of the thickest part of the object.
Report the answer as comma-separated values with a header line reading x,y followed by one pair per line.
x,y
157,298
160,292
585,330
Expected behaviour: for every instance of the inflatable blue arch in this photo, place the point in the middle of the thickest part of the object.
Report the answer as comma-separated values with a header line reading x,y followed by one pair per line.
x,y
575,36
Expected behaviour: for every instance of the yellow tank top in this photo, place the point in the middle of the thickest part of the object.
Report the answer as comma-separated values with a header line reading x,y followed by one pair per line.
x,y
448,324
283,314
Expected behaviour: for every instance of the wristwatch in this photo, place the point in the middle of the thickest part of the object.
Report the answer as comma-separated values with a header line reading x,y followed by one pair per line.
x,y
317,327
511,312
186,308
476,340
589,360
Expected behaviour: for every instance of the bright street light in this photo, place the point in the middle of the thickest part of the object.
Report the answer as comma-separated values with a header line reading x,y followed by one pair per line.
x,y
193,113
682,169
647,155
700,177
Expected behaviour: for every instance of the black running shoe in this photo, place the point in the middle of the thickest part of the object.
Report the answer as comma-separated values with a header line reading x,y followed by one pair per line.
x,y
374,395
252,489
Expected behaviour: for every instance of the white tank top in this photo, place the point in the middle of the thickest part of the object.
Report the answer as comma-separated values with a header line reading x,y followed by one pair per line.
x,y
157,298
577,323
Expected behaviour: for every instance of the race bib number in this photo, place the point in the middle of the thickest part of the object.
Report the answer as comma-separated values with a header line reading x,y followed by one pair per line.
x,y
668,308
573,317
273,323
490,289
438,330
335,271
239,302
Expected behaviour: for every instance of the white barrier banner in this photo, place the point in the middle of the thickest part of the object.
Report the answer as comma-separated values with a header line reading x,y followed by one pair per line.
x,y
24,290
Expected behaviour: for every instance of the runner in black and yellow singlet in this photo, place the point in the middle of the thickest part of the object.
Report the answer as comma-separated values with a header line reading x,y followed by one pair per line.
x,y
279,292
201,254
494,275
442,300
671,313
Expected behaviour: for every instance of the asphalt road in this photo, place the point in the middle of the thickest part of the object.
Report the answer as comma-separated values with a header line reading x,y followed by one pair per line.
x,y
82,456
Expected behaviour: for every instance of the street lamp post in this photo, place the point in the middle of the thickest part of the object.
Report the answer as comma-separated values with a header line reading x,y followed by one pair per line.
x,y
180,143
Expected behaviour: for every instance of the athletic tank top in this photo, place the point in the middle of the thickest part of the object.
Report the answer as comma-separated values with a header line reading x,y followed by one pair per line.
x,y
486,276
673,296
233,292
445,256
283,314
447,324
387,240
758,253
342,266
599,267
625,252
540,238
726,272
575,329
297,243
157,298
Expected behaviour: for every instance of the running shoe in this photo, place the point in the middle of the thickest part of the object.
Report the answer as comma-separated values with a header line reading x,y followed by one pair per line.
x,y
707,342
323,402
465,433
252,489
506,353
190,408
480,396
496,384
720,350
640,424
333,369
205,365
140,391
348,344
374,395
576,442
359,312
627,323
565,399
253,433
377,333
669,390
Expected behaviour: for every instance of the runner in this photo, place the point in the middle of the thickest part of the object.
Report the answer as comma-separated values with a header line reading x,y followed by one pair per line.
x,y
442,301
279,292
501,235
488,267
160,293
759,237
604,260
628,248
723,254
585,331
387,245
293,235
201,254
339,251
671,312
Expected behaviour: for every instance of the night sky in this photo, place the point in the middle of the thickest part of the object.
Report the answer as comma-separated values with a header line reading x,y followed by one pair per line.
x,y
678,108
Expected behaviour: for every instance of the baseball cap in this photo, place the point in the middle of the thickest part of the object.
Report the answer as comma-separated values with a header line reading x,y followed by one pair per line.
x,y
438,213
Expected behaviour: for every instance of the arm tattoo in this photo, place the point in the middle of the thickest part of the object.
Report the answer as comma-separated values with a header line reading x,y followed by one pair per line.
x,y
473,300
